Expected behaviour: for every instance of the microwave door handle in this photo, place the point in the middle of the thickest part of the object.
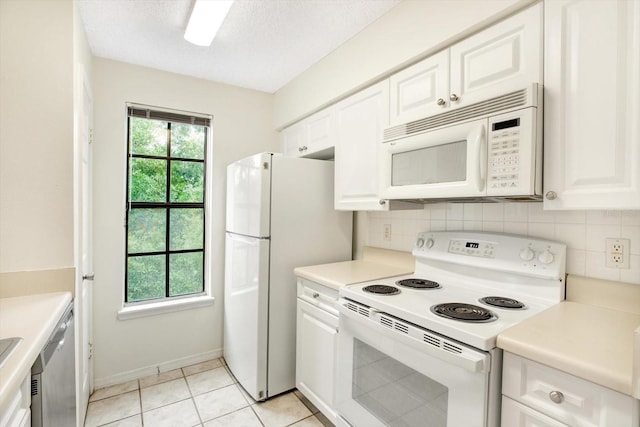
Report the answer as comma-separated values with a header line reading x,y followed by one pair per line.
x,y
482,157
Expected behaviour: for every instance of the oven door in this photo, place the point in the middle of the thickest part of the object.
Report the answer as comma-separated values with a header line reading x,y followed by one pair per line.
x,y
393,373
443,163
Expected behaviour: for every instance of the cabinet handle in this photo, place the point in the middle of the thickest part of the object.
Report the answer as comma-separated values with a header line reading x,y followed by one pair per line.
x,y
304,147
300,149
316,295
440,102
551,195
556,396
382,202
454,97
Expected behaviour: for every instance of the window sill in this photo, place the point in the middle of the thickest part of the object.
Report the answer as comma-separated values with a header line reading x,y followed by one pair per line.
x,y
155,308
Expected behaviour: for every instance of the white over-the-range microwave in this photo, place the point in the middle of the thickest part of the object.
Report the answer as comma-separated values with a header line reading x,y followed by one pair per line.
x,y
491,150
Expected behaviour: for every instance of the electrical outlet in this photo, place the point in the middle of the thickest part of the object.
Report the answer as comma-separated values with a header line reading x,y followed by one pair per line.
x,y
617,253
386,232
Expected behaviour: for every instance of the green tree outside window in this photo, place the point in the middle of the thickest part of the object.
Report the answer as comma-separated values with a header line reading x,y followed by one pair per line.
x,y
165,206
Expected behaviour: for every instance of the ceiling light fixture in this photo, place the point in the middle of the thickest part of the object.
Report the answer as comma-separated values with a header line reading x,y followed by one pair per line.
x,y
205,21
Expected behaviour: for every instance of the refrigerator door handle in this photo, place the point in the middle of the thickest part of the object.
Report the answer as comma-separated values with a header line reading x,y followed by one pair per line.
x,y
244,237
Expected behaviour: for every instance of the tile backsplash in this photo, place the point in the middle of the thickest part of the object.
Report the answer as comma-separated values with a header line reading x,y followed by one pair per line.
x,y
584,232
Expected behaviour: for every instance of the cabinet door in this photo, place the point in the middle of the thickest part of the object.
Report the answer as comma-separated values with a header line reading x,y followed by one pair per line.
x,y
592,105
310,137
319,139
294,139
360,120
421,90
317,333
503,58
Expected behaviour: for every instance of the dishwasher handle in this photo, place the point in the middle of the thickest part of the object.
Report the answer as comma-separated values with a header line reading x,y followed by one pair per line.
x,y
55,341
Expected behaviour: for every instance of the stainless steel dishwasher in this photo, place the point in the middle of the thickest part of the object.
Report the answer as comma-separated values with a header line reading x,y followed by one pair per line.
x,y
53,378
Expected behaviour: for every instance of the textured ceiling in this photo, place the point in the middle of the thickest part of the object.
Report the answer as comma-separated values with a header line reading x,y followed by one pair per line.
x,y
262,44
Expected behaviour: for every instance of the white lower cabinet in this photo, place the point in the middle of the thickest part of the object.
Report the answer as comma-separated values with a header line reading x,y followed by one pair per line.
x,y
537,395
316,339
17,412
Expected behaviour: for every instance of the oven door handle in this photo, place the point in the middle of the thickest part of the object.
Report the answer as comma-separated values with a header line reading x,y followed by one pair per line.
x,y
422,340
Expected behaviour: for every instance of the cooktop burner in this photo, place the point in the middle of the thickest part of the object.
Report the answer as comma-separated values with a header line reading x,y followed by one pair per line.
x,y
418,284
381,289
464,312
503,302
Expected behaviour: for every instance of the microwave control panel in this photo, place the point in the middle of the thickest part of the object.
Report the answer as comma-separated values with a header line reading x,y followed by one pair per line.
x,y
511,154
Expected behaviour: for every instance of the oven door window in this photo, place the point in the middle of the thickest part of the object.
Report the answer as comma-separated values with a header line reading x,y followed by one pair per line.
x,y
392,373
395,393
430,165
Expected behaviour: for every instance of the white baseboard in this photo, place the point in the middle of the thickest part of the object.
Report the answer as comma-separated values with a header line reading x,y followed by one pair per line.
x,y
155,369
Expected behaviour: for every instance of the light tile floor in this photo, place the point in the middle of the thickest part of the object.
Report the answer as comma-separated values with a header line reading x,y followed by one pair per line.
x,y
202,395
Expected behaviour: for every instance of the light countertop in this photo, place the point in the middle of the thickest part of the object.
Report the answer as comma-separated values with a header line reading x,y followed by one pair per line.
x,y
33,318
590,335
375,264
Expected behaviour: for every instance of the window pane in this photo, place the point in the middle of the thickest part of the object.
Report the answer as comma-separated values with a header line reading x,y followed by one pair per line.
x,y
187,229
145,277
148,136
147,230
187,141
187,181
148,180
185,273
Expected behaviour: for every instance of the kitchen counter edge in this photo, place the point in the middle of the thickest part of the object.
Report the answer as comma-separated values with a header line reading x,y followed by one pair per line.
x,y
376,263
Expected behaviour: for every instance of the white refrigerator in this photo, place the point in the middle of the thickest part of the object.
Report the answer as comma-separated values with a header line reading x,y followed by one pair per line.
x,y
280,216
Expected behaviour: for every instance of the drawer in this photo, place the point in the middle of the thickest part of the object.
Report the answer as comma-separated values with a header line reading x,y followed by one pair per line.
x,y
318,295
515,414
564,397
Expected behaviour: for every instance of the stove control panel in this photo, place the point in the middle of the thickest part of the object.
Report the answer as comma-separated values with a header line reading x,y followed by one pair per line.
x,y
504,252
472,248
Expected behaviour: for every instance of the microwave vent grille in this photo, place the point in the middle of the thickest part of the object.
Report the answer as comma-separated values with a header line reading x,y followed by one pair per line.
x,y
506,102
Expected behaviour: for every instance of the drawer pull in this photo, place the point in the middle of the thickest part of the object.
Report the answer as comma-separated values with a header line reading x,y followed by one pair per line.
x,y
316,295
556,396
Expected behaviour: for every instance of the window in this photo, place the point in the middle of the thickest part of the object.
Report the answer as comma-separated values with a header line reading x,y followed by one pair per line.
x,y
165,217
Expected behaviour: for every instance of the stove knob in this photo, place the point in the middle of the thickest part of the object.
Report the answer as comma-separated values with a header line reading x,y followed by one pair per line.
x,y
527,254
545,257
420,242
430,242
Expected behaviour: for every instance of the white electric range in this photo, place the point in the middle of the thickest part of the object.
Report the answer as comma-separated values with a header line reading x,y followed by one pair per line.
x,y
423,346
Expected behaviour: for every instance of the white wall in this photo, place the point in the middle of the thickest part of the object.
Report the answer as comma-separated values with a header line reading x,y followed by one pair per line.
x,y
242,125
583,232
410,31
36,135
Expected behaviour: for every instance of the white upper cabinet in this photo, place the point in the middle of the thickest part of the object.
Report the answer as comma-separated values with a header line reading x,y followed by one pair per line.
x,y
294,138
359,121
310,137
592,105
503,58
357,128
421,90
